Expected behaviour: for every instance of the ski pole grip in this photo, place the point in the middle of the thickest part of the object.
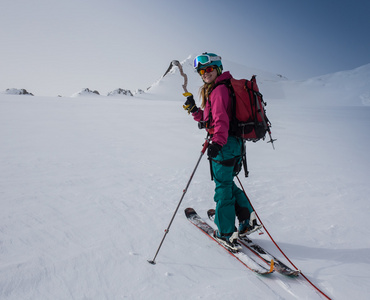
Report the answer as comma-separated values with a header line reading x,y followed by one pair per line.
x,y
205,146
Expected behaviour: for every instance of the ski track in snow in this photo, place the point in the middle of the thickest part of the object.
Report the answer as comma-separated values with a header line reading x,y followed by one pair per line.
x,y
88,185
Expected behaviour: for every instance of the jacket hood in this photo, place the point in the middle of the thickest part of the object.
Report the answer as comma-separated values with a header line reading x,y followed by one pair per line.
x,y
224,76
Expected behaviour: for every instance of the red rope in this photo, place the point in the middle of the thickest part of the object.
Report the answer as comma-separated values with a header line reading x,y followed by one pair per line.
x,y
277,246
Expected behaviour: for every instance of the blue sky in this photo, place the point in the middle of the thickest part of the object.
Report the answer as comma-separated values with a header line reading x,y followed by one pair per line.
x,y
59,47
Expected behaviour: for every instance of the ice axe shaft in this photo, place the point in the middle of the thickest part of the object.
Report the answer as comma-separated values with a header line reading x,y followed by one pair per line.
x,y
177,64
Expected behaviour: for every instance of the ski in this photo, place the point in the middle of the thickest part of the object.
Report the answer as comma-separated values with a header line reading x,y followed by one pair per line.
x,y
240,255
279,266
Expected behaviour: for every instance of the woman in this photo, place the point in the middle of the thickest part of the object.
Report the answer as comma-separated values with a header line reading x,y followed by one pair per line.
x,y
224,152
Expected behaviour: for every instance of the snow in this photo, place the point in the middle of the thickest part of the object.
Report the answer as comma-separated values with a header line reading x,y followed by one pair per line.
x,y
89,184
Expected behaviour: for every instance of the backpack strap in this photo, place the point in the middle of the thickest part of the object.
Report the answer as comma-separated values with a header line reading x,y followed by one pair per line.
x,y
233,130
244,159
233,122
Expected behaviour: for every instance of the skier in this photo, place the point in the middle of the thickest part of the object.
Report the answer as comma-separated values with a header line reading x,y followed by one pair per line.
x,y
224,151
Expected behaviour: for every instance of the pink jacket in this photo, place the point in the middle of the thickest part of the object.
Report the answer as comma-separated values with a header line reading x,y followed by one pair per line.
x,y
221,111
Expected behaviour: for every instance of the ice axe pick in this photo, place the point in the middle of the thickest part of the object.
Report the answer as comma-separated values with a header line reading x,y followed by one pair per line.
x,y
177,63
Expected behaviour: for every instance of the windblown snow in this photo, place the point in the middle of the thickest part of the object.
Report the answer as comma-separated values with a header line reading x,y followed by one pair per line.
x,y
88,185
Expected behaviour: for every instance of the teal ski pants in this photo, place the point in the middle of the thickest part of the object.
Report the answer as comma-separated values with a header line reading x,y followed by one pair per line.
x,y
227,195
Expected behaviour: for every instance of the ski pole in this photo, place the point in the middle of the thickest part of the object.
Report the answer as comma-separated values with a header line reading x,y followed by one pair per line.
x,y
205,145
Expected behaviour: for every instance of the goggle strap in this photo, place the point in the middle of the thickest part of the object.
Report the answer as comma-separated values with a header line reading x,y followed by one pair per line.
x,y
214,58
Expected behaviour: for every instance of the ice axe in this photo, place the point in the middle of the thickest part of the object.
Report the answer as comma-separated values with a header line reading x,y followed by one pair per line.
x,y
177,63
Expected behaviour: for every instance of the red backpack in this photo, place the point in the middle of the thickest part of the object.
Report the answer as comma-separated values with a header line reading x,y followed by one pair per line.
x,y
249,120
248,114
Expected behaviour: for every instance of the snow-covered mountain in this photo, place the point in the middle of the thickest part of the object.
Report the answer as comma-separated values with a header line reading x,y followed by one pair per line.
x,y
89,184
339,89
120,92
14,91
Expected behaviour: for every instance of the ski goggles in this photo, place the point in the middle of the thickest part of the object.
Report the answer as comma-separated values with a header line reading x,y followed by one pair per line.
x,y
206,70
205,59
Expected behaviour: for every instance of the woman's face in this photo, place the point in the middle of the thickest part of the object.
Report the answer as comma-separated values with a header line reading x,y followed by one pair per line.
x,y
209,77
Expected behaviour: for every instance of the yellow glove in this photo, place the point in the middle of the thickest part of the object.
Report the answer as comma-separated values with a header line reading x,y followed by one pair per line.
x,y
189,105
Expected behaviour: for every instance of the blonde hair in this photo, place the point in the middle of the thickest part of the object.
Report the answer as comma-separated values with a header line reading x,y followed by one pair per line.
x,y
204,92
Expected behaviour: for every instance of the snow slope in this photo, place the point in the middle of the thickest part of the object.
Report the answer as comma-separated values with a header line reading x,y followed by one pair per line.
x,y
89,184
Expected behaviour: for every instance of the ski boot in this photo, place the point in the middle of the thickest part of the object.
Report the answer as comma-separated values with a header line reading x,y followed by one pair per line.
x,y
230,241
249,226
